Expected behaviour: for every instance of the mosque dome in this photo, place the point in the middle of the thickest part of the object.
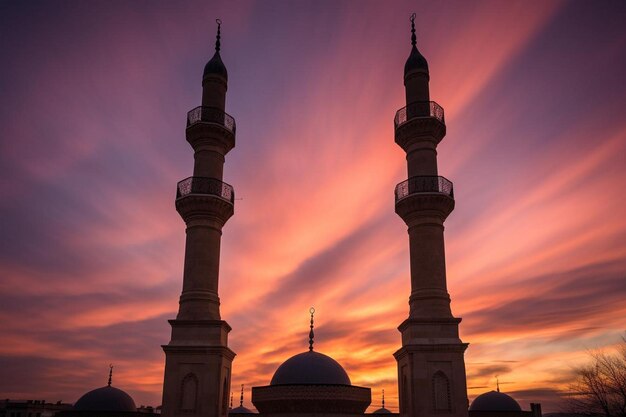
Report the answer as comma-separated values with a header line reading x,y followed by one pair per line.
x,y
240,410
494,401
415,62
106,399
312,368
215,67
313,383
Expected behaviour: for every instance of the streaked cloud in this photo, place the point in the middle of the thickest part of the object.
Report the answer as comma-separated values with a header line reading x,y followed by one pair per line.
x,y
93,143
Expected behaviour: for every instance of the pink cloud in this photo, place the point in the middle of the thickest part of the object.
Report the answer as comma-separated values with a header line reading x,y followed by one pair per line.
x,y
93,263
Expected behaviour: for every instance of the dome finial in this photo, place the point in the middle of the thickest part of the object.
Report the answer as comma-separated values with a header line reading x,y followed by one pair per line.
x,y
231,400
497,384
110,374
383,398
311,334
217,41
241,397
413,38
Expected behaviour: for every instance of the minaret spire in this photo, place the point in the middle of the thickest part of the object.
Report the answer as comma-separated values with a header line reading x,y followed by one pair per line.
x,y
413,37
110,374
311,334
497,384
217,38
231,400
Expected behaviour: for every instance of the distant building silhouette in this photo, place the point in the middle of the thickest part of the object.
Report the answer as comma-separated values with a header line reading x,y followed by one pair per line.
x,y
241,410
31,408
382,409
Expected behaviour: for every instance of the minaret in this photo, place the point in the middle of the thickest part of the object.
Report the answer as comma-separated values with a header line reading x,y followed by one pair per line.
x,y
431,368
197,358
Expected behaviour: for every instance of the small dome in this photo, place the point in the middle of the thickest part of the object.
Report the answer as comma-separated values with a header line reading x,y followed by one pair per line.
x,y
494,401
382,410
415,62
310,368
105,399
240,410
215,67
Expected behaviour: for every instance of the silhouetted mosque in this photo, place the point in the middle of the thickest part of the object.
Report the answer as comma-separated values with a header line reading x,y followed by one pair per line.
x,y
107,401
198,361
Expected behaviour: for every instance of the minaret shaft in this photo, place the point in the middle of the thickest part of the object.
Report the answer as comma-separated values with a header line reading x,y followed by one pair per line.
x,y
199,299
214,93
429,295
208,213
422,160
416,87
208,163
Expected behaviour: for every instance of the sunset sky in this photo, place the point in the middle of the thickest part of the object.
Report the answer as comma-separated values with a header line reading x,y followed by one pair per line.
x,y
94,96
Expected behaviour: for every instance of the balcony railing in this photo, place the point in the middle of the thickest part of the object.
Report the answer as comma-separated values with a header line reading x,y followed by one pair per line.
x,y
211,115
205,185
418,109
424,184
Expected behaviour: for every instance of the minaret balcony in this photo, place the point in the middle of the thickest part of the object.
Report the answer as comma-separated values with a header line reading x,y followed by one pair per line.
x,y
203,114
418,109
205,186
424,184
424,199
419,121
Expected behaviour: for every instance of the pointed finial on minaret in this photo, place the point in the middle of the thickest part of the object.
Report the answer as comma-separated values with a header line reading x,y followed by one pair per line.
x,y
110,374
497,383
383,398
311,334
241,397
217,41
231,400
413,38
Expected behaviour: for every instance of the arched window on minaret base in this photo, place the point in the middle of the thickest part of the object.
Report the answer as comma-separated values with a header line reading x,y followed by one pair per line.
x,y
189,393
441,393
225,396
404,403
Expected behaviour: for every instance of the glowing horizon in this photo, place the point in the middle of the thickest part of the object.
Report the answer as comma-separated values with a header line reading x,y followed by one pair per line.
x,y
94,104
